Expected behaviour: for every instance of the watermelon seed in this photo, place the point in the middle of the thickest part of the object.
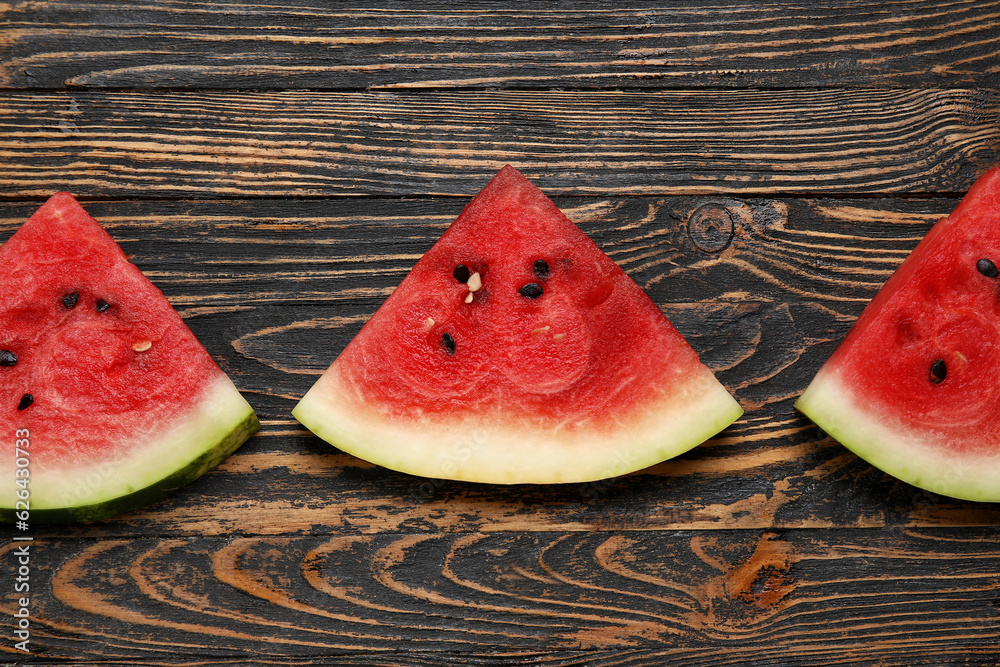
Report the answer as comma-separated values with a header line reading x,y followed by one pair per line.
x,y
429,322
448,343
475,283
987,268
559,336
541,268
540,330
531,290
102,305
69,300
8,358
142,345
461,273
26,400
938,371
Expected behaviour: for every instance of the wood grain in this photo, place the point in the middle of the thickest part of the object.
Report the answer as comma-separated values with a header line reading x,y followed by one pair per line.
x,y
686,597
308,144
323,45
276,288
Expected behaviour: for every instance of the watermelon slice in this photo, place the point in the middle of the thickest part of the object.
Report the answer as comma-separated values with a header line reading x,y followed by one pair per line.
x,y
915,387
106,392
516,351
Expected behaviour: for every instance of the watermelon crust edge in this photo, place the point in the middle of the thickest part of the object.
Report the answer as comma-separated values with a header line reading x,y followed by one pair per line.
x,y
146,473
889,445
490,450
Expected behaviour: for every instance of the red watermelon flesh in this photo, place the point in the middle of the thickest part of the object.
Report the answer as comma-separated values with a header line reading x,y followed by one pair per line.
x,y
913,388
557,368
121,402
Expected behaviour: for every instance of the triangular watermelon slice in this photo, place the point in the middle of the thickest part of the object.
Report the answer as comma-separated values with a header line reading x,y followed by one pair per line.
x,y
516,351
914,388
107,400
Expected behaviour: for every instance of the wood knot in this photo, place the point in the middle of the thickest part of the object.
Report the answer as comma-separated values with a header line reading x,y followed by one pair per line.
x,y
711,227
764,579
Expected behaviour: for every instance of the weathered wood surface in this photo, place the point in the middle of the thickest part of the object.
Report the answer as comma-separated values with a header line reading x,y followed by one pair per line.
x,y
672,597
276,168
323,45
294,143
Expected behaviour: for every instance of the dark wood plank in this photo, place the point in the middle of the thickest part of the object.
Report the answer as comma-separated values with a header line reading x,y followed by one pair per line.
x,y
803,597
142,145
319,44
276,288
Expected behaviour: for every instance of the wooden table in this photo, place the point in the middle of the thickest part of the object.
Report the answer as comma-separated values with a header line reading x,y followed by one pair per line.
x,y
277,167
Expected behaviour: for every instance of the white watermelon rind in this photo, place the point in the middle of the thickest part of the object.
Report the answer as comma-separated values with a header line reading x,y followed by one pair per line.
x,y
141,472
496,450
915,456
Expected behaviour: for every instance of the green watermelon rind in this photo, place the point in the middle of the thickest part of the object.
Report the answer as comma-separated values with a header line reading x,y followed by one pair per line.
x,y
894,447
221,423
493,450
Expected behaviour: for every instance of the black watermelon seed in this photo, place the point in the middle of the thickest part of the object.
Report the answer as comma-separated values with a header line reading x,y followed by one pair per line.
x,y
938,371
26,400
987,268
541,268
462,273
448,343
8,358
102,305
69,300
531,290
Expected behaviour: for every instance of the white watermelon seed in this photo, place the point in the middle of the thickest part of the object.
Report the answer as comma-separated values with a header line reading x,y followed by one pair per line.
x,y
559,336
142,345
540,330
469,297
475,282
